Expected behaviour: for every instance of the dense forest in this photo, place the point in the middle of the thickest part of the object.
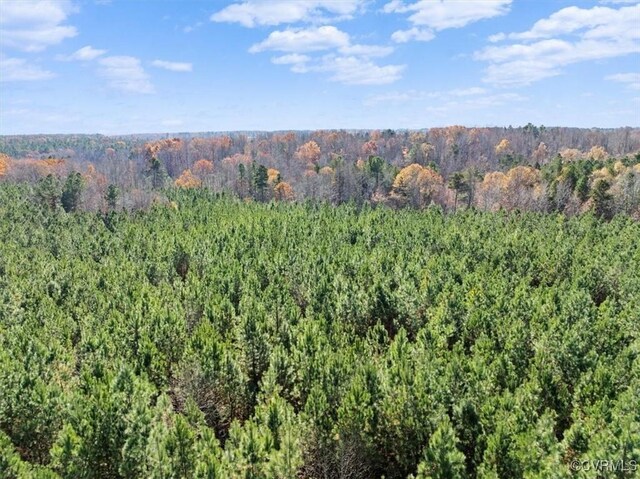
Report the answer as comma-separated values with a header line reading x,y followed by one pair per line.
x,y
448,303
211,337
532,168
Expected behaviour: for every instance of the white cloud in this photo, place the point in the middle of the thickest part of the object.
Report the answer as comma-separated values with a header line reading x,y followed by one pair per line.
x,y
352,70
498,37
17,69
291,59
429,16
87,53
192,28
173,66
568,36
303,40
367,51
33,25
415,33
275,12
126,74
473,91
394,97
632,80
346,63
598,20
457,96
349,64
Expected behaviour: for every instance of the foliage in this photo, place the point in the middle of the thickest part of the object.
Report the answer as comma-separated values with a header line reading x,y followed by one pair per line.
x,y
212,337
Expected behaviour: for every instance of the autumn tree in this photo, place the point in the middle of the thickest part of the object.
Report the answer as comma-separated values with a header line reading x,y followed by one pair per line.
x,y
598,153
309,152
273,176
203,169
522,189
570,154
505,152
420,185
283,192
188,180
541,154
4,164
491,190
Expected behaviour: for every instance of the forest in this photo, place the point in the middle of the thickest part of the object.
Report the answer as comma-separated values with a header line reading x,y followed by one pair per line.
x,y
211,337
458,303
532,168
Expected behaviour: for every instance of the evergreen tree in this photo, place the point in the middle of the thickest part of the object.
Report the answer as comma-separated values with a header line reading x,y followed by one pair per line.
x,y
72,191
111,196
260,181
602,200
441,458
48,191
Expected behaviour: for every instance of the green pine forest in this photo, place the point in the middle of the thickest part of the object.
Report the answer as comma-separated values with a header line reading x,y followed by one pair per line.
x,y
210,337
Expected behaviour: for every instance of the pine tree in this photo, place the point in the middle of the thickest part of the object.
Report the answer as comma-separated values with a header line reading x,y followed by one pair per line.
x,y
71,192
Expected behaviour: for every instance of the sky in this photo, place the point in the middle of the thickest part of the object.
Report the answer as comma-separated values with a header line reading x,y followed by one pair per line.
x,y
155,66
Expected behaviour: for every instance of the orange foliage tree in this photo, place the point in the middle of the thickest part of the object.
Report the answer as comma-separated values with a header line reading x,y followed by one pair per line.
x,y
519,188
309,152
417,185
541,153
369,148
203,169
95,184
490,191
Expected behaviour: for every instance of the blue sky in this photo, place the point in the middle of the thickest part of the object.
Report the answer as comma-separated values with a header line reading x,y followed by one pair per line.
x,y
116,66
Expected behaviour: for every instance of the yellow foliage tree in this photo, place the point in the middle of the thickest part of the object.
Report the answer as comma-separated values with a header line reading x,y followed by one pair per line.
x,y
188,180
4,164
272,176
598,153
522,188
283,192
570,154
503,147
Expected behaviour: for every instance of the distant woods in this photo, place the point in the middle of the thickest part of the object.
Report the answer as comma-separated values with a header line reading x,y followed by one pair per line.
x,y
528,168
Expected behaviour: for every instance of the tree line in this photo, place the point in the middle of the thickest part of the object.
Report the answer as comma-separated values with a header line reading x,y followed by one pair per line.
x,y
455,168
